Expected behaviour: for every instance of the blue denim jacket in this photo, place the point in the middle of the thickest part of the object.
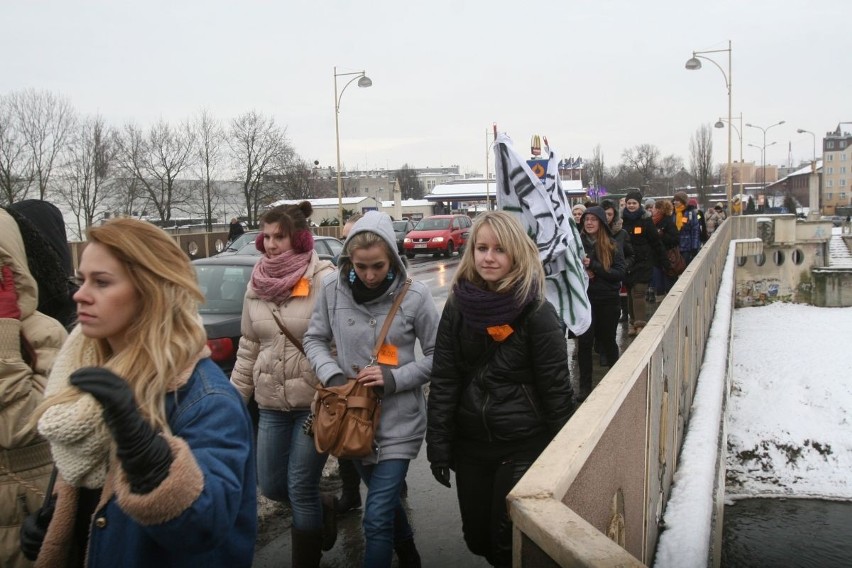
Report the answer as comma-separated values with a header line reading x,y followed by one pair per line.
x,y
219,527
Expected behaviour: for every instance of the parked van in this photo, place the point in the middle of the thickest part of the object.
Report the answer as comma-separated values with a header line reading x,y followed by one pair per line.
x,y
438,234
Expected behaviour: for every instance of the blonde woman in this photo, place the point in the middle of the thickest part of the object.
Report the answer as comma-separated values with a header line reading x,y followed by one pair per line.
x,y
499,389
152,444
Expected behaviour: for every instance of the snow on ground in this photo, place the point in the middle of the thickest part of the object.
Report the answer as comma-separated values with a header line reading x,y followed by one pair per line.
x,y
790,409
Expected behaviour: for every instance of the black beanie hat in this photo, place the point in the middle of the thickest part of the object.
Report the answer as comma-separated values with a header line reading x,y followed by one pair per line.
x,y
635,195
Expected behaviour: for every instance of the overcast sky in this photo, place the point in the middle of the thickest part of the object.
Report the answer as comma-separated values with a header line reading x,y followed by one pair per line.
x,y
581,73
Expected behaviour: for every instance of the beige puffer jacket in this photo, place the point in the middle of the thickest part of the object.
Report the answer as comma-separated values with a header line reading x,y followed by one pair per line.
x,y
268,364
25,462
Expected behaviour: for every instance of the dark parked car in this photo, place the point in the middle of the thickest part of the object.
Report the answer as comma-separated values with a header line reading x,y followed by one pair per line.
x,y
238,243
223,280
402,228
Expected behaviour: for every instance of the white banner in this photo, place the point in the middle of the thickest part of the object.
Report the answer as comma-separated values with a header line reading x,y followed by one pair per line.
x,y
543,210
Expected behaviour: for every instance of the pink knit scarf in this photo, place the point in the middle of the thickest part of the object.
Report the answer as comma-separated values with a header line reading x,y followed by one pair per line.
x,y
273,277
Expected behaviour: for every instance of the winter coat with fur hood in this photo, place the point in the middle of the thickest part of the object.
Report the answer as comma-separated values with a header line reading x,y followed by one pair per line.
x,y
268,363
203,514
354,328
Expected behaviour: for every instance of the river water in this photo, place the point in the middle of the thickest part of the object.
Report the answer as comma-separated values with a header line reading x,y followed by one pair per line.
x,y
800,533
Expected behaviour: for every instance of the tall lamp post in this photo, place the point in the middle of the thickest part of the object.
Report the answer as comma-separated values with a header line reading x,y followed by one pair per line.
x,y
694,63
721,124
363,81
763,153
803,131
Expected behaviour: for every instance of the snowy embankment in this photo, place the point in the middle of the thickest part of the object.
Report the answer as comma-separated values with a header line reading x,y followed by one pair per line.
x,y
788,417
789,422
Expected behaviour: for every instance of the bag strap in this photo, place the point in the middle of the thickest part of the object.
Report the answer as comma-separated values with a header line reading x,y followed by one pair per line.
x,y
287,333
389,319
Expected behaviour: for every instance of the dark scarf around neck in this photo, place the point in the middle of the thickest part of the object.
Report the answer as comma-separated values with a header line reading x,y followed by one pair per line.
x,y
481,308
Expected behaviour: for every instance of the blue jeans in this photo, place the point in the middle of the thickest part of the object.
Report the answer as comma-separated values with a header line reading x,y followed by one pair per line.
x,y
289,466
385,521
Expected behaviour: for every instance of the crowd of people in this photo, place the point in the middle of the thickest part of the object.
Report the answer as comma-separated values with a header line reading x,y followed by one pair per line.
x,y
628,246
123,443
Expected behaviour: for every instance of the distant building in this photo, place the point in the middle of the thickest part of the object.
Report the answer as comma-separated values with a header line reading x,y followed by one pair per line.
x,y
836,175
797,185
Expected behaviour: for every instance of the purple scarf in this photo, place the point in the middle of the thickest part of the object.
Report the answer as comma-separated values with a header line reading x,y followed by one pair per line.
x,y
273,277
483,308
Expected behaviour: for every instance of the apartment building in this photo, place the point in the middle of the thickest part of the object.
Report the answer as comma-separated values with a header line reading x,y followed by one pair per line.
x,y
836,174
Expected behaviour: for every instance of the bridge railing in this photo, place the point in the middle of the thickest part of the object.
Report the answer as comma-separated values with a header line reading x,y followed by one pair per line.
x,y
597,495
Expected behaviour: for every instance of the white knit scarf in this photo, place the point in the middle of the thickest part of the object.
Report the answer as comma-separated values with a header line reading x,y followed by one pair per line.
x,y
79,438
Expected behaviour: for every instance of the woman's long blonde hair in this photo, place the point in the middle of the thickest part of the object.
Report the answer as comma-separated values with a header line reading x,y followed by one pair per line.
x,y
167,335
526,276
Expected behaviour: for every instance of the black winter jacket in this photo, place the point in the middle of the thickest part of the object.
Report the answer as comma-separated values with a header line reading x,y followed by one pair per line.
x,y
648,251
668,232
606,284
488,393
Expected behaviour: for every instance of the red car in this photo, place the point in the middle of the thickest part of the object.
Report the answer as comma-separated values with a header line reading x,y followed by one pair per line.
x,y
437,234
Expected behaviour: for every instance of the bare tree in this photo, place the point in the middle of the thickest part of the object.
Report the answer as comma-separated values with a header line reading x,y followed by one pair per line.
x,y
410,186
46,121
91,157
701,160
157,160
597,169
670,167
296,182
643,159
260,149
16,166
209,150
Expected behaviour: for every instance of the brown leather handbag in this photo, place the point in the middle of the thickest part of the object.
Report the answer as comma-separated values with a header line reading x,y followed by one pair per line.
x,y
346,417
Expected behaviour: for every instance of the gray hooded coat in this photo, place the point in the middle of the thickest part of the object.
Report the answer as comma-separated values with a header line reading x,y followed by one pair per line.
x,y
353,328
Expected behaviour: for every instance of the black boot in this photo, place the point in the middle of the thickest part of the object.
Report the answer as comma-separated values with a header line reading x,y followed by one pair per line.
x,y
306,549
407,554
329,522
350,498
585,389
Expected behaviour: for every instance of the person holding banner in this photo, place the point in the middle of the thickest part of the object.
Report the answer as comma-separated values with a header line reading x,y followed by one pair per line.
x,y
500,388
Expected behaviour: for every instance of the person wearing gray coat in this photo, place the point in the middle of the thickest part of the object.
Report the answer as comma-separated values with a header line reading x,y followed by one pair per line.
x,y
349,314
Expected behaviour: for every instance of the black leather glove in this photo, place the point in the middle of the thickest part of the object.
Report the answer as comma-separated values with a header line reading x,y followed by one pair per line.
x,y
145,456
442,474
34,528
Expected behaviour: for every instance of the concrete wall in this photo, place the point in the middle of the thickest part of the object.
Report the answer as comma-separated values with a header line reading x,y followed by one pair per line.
x,y
783,272
597,495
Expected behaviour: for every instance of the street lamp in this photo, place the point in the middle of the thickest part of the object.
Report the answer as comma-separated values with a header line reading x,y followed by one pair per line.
x,y
721,124
763,153
693,64
803,131
363,81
